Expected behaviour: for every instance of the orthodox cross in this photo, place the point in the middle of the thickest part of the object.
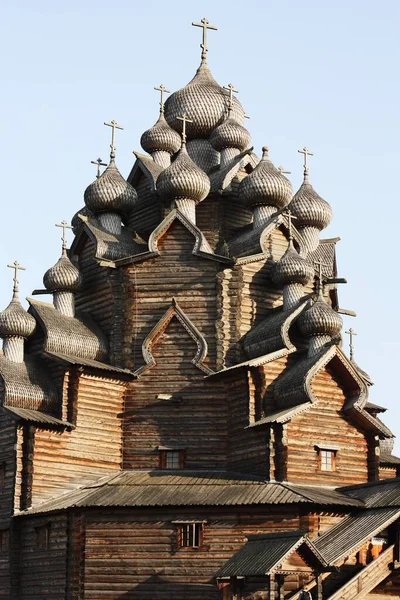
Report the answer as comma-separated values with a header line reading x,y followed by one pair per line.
x,y
17,267
99,164
282,171
230,89
306,153
64,226
114,125
320,276
163,90
351,333
204,24
185,119
290,217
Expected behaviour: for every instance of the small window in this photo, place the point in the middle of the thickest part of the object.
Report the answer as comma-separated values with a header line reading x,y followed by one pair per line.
x,y
327,460
172,459
2,474
190,535
43,537
4,540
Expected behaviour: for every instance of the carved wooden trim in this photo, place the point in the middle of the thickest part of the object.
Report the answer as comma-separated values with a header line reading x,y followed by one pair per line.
x,y
175,311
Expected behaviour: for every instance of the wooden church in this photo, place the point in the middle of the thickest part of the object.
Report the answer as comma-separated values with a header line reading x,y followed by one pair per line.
x,y
182,421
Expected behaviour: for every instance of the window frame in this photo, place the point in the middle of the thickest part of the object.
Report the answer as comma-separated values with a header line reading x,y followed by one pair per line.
x,y
326,456
183,537
4,540
163,458
43,543
3,473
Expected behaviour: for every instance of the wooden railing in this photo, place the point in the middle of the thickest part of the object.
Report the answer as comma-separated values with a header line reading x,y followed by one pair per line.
x,y
368,578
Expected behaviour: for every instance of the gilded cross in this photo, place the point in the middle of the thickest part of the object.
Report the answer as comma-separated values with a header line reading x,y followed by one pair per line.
x,y
185,119
351,333
64,226
289,217
306,154
99,164
17,267
163,90
204,24
230,89
114,125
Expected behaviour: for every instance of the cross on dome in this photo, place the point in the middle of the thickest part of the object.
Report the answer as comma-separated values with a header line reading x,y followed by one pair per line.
x,y
204,24
185,119
114,125
282,171
17,267
163,90
306,154
351,333
64,226
290,217
99,163
320,277
230,89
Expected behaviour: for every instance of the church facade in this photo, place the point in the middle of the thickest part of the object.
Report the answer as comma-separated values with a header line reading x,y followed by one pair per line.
x,y
182,421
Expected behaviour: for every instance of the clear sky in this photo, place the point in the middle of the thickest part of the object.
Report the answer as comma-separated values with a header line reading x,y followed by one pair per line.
x,y
316,73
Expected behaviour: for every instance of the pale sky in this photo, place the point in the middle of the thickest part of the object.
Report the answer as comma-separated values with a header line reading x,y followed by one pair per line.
x,y
321,74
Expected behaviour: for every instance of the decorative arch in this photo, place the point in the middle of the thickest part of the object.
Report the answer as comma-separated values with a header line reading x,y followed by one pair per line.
x,y
175,311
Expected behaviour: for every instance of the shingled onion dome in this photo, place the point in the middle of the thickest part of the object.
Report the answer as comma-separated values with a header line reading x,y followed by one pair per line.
x,y
265,190
312,212
230,139
161,141
63,280
292,273
205,101
16,325
320,323
184,183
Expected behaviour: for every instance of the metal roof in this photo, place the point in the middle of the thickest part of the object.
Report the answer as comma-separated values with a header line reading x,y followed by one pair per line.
x,y
37,417
261,554
191,488
348,535
377,494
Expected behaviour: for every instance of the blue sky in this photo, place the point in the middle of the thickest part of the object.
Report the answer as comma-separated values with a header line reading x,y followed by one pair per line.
x,y
321,74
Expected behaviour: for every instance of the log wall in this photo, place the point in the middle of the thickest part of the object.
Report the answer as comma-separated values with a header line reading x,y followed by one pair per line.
x,y
325,423
64,460
8,438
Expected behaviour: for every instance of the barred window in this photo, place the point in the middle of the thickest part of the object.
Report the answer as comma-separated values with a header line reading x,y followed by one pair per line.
x,y
190,535
172,459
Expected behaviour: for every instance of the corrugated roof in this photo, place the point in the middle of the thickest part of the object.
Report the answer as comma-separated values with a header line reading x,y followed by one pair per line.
x,y
376,494
37,417
261,554
191,488
348,535
87,362
389,459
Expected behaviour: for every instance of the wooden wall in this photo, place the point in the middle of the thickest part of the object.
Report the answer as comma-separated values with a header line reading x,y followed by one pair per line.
x,y
64,460
8,437
324,423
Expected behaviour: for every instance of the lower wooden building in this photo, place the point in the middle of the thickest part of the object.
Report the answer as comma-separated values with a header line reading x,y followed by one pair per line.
x,y
182,421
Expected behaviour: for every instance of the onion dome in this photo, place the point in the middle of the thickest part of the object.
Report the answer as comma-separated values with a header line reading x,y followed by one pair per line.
x,y
15,321
63,276
110,193
230,135
205,101
320,319
309,208
161,137
183,179
292,268
266,185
